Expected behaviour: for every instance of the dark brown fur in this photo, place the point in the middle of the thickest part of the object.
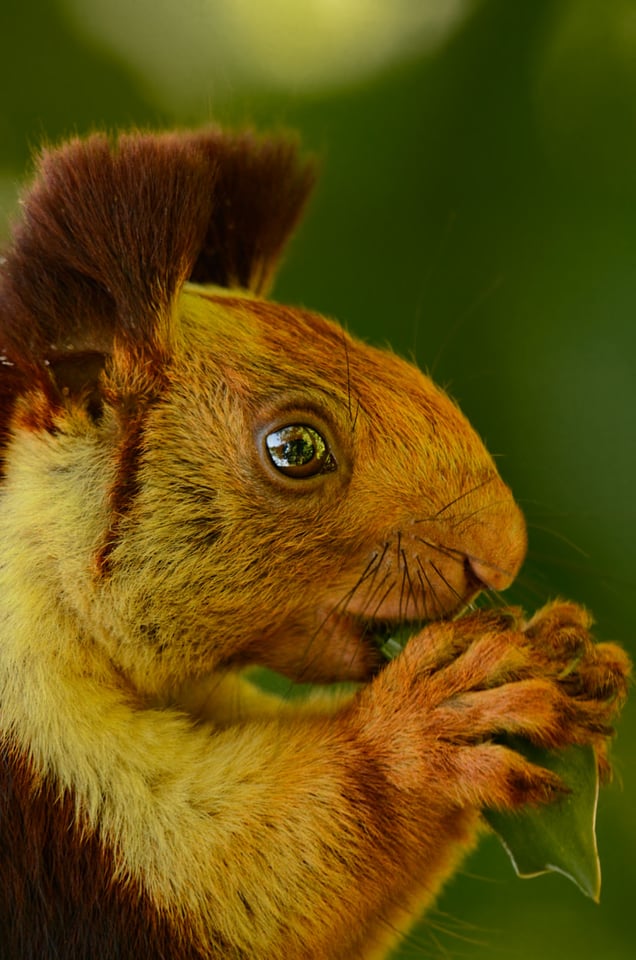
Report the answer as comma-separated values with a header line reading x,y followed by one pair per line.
x,y
64,287
57,887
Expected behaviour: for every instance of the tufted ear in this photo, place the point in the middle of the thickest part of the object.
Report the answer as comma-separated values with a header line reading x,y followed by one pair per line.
x,y
111,230
261,187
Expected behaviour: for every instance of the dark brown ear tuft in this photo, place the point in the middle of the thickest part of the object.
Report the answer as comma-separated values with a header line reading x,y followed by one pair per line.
x,y
112,229
262,187
108,233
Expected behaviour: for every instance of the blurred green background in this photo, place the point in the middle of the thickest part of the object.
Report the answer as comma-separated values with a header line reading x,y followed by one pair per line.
x,y
477,208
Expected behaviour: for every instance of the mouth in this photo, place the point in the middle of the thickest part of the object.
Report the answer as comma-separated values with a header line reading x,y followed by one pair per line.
x,y
386,639
389,634
342,646
391,638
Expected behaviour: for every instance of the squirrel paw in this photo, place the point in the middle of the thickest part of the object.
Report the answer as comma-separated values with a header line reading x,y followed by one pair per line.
x,y
487,676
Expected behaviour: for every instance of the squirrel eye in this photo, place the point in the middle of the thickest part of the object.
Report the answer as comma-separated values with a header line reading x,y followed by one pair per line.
x,y
299,451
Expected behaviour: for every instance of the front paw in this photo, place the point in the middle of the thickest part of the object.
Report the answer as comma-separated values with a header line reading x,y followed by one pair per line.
x,y
595,673
476,681
593,678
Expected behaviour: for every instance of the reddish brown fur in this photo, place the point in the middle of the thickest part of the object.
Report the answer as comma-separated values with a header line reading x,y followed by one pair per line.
x,y
369,801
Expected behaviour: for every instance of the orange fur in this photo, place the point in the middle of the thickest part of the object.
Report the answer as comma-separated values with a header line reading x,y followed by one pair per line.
x,y
197,480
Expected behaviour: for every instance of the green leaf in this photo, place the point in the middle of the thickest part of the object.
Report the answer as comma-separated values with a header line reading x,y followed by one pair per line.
x,y
558,836
552,837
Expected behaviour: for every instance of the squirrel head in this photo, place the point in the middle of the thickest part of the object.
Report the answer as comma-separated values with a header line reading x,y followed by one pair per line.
x,y
202,478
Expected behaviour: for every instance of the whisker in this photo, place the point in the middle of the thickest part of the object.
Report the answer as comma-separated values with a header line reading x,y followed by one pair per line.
x,y
348,368
486,506
530,590
383,554
306,659
494,598
560,536
447,582
460,557
352,417
477,301
431,589
375,586
423,588
370,597
451,552
408,583
382,599
355,419
411,593
402,590
370,570
462,496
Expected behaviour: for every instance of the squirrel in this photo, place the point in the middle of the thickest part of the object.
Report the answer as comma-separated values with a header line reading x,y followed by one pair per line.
x,y
196,480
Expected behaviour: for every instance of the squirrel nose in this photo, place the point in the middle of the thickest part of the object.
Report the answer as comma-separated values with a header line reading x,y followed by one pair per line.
x,y
490,576
499,549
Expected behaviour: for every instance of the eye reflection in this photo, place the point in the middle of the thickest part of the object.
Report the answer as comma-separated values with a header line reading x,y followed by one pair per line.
x,y
299,451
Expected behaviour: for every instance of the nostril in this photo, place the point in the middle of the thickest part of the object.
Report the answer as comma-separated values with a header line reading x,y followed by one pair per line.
x,y
490,575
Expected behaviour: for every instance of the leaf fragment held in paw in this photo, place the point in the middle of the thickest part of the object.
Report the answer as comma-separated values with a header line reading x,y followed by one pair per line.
x,y
558,836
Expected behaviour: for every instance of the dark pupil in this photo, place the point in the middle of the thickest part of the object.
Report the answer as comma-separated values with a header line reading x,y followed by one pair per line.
x,y
297,450
295,453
